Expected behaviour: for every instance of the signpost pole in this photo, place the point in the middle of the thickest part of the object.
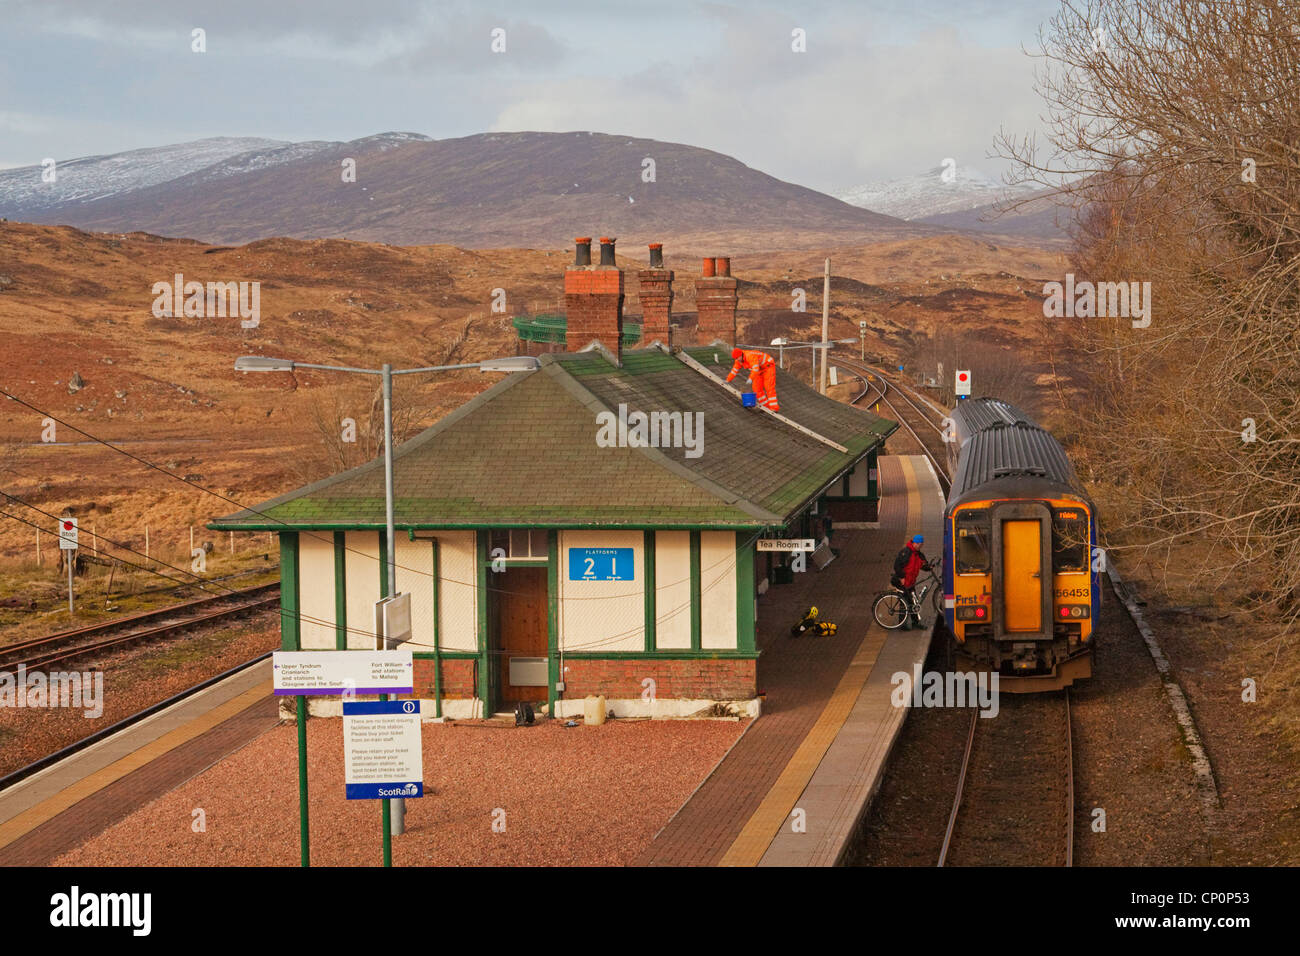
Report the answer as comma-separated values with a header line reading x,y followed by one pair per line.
x,y
68,551
304,837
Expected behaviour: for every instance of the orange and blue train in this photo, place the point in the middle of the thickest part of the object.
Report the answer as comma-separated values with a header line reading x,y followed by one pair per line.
x,y
1021,567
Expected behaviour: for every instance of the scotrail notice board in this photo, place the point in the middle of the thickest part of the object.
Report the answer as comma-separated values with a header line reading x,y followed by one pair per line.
x,y
382,758
343,672
600,564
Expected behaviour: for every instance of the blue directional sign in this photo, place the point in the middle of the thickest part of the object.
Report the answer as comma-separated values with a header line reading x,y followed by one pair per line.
x,y
600,564
381,749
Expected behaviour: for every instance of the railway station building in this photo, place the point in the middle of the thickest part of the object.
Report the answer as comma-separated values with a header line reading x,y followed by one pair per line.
x,y
588,527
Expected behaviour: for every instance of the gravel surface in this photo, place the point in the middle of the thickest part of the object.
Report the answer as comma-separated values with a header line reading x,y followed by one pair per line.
x,y
570,796
135,678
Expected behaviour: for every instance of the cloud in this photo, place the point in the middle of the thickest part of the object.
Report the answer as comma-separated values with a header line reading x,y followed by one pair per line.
x,y
409,36
846,110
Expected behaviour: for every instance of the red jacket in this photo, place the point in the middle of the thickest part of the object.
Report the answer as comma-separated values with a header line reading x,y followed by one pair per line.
x,y
913,566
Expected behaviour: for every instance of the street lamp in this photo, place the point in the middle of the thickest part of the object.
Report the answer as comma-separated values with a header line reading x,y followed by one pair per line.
x,y
780,343
260,363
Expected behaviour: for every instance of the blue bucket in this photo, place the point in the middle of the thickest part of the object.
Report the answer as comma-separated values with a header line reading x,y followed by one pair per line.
x,y
748,399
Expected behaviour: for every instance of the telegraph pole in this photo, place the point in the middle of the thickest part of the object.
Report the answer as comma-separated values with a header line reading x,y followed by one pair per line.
x,y
826,304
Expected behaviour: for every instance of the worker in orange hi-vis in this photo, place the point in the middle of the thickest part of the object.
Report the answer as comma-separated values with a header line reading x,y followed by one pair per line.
x,y
762,375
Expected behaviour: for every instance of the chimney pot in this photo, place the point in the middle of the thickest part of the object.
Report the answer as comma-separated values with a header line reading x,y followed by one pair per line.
x,y
582,247
607,250
716,301
656,255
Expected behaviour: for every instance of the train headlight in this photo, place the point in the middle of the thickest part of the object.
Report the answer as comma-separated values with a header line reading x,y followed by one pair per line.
x,y
1073,611
973,612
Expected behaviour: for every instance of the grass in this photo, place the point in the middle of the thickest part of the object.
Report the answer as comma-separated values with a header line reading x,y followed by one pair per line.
x,y
133,591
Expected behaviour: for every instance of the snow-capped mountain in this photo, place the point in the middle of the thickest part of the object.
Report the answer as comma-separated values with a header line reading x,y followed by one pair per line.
x,y
259,159
24,193
95,177
928,194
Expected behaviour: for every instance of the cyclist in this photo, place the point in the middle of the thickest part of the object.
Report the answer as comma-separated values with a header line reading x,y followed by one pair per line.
x,y
908,563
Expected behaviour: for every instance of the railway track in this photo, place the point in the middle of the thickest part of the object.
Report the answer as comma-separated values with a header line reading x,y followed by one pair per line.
x,y
22,773
907,412
1014,804
139,628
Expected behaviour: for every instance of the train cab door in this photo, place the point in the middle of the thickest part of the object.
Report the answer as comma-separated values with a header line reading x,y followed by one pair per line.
x,y
1022,575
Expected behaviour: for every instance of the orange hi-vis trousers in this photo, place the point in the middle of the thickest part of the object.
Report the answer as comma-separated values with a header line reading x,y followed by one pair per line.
x,y
762,376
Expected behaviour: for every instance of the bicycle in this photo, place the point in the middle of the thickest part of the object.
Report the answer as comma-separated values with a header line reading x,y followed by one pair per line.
x,y
890,607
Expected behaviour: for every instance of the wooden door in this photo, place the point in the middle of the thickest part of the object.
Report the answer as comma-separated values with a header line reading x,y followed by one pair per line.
x,y
521,632
1022,575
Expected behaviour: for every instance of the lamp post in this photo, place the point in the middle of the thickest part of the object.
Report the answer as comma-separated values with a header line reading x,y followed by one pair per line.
x,y
394,811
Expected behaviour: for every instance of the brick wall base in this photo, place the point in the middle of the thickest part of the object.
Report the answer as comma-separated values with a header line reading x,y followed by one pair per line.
x,y
695,679
457,679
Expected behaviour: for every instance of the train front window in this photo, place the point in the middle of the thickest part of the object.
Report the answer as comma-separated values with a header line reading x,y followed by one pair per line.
x,y
1069,540
972,541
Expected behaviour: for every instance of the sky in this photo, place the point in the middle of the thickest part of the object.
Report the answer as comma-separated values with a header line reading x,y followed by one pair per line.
x,y
886,88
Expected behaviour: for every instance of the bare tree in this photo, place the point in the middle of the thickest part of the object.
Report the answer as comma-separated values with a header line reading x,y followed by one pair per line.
x,y
1175,136
347,428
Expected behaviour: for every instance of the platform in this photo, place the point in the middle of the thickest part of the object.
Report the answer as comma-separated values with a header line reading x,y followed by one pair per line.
x,y
64,804
828,724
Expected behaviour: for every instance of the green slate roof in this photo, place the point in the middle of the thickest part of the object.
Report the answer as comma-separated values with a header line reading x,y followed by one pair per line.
x,y
524,453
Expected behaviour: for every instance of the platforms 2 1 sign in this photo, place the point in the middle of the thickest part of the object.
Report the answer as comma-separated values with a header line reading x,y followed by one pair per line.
x,y
600,564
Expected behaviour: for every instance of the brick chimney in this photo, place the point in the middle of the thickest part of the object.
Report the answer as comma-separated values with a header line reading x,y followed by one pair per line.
x,y
656,297
593,299
715,300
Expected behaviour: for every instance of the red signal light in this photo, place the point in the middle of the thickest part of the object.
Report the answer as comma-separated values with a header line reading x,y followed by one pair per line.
x,y
1065,612
979,612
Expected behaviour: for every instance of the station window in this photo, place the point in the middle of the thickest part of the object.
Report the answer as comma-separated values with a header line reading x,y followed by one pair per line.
x,y
972,541
519,543
1069,540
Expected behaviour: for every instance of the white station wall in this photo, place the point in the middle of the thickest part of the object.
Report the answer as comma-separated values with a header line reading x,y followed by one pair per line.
x,y
672,590
458,597
317,621
602,616
415,576
361,571
718,590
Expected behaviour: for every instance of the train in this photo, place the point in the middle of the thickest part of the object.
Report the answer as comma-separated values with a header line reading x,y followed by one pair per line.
x,y
1021,567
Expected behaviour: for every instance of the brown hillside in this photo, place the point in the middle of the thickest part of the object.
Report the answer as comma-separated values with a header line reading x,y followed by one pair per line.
x,y
492,190
80,303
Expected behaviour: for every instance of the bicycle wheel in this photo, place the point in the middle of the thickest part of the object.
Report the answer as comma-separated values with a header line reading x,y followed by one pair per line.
x,y
890,610
937,600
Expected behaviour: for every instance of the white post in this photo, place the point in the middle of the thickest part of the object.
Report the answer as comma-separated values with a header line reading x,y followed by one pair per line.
x,y
38,547
232,542
146,542
826,305
69,556
94,541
